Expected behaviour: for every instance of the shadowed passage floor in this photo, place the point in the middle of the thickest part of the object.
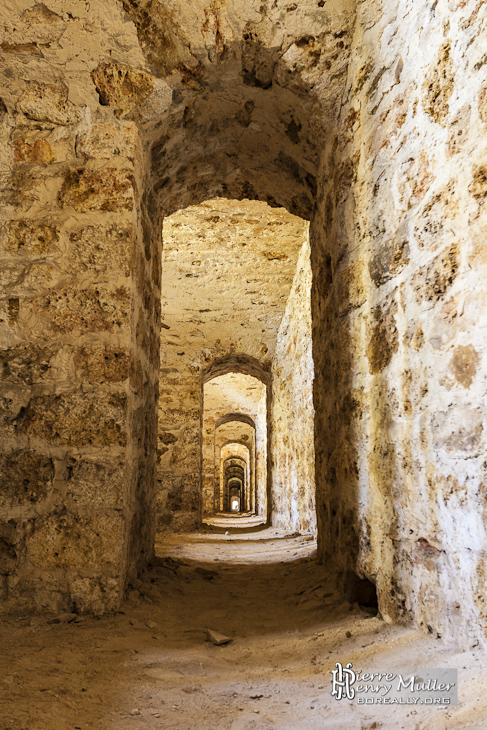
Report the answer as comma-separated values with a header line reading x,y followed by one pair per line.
x,y
151,665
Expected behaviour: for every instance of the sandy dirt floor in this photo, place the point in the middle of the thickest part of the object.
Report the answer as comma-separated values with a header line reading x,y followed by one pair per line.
x,y
151,666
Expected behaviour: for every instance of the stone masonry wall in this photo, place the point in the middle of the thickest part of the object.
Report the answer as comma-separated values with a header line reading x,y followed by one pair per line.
x,y
262,464
293,475
399,304
67,356
77,346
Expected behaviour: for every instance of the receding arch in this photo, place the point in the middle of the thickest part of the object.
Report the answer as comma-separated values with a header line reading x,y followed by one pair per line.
x,y
239,417
244,453
233,458
237,363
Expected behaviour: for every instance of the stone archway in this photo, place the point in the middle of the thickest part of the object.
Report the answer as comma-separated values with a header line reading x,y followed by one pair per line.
x,y
225,386
345,114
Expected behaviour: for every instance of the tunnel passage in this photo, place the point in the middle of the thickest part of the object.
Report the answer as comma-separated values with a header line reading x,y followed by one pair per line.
x,y
244,432
236,475
234,479
241,453
233,273
311,106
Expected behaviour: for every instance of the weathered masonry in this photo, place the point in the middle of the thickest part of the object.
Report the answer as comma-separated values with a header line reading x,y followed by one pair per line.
x,y
158,156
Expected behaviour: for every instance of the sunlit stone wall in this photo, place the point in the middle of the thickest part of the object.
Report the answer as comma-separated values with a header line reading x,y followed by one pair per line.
x,y
399,308
293,456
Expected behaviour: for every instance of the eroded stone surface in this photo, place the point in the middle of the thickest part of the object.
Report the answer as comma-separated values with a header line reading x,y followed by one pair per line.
x,y
398,398
87,190
121,87
48,103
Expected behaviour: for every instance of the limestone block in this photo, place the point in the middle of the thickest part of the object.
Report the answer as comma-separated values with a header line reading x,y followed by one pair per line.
x,y
96,483
27,237
433,224
431,282
44,147
25,477
25,363
383,336
96,309
76,419
181,500
41,14
121,87
63,540
104,249
23,278
418,175
458,131
37,153
103,190
478,187
165,43
464,364
459,431
104,141
351,285
97,593
102,364
390,256
186,448
12,402
33,190
438,86
48,103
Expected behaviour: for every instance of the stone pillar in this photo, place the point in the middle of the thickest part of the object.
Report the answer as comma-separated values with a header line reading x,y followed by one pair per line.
x,y
76,355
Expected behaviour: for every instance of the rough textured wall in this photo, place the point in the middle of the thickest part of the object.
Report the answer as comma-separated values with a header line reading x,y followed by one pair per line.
x,y
293,455
224,98
262,465
254,89
67,353
399,305
74,432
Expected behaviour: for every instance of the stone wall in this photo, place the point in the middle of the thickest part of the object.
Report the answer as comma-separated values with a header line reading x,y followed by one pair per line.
x,y
399,300
263,467
293,457
70,361
374,128
234,109
179,448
